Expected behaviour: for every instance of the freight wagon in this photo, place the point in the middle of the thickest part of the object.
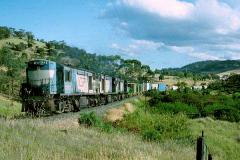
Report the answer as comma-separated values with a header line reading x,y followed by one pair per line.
x,y
51,87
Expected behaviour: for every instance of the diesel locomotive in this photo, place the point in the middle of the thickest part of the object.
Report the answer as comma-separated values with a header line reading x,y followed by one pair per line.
x,y
54,88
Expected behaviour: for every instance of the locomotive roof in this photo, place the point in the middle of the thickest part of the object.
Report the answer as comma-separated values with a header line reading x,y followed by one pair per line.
x,y
82,69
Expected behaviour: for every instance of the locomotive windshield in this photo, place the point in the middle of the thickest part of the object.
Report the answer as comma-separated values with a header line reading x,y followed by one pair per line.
x,y
39,73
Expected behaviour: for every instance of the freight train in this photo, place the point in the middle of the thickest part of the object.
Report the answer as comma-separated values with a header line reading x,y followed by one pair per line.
x,y
54,88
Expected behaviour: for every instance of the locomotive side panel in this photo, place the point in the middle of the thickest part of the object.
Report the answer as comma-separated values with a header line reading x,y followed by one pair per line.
x,y
82,83
96,83
68,76
121,85
108,84
90,82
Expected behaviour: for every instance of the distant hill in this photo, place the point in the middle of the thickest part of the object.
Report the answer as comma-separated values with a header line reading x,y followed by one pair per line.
x,y
206,67
212,66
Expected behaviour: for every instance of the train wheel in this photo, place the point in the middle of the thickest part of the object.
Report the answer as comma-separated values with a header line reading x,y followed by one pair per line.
x,y
62,106
76,105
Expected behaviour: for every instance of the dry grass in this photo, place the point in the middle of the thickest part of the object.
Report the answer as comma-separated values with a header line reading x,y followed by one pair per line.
x,y
117,114
36,139
15,40
3,42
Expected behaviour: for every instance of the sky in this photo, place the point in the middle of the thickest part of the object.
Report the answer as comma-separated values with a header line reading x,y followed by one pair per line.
x,y
159,33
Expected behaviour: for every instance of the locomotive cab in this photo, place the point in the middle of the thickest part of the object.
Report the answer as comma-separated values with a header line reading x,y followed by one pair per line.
x,y
41,77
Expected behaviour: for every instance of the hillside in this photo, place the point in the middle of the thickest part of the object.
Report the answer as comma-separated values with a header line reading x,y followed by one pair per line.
x,y
203,70
212,66
19,46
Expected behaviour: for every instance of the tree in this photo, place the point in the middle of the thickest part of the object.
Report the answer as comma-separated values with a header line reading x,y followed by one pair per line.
x,y
20,33
232,84
181,86
30,38
4,32
161,77
14,66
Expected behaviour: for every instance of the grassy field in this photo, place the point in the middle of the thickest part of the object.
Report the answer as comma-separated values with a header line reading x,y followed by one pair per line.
x,y
8,108
15,40
28,51
36,139
61,137
222,137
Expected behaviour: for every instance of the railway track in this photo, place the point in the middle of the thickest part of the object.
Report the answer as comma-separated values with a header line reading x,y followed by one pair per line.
x,y
100,110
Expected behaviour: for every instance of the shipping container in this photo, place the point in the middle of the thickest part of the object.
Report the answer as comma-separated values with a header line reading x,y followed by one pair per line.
x,y
155,86
162,87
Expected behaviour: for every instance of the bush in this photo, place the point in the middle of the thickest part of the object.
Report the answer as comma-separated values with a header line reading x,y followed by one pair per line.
x,y
92,120
222,112
175,108
195,104
19,47
236,96
89,119
155,126
151,135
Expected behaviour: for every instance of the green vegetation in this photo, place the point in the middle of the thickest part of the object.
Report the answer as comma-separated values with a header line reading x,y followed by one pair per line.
x,y
196,104
202,70
205,67
212,66
152,125
63,138
140,135
230,85
157,127
222,137
9,109
35,139
91,119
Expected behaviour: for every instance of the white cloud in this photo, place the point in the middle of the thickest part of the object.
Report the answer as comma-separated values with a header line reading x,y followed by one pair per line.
x,y
192,52
164,8
124,24
204,56
204,29
220,16
232,55
181,49
137,47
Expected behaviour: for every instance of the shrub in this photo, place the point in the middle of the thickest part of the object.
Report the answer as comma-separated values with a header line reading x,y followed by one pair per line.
x,y
19,47
155,126
223,112
89,119
151,135
175,108
236,96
